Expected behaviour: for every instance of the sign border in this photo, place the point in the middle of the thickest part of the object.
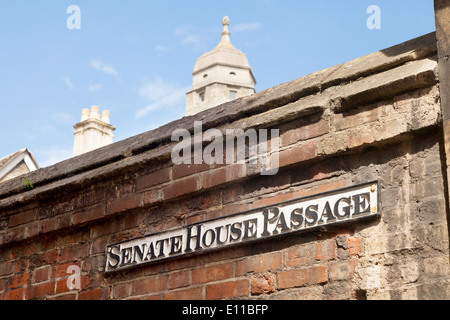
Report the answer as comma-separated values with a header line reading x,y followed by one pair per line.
x,y
245,242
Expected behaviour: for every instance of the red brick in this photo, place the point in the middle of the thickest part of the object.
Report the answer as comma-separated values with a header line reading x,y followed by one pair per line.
x,y
302,277
214,273
227,210
187,294
180,279
95,294
304,133
355,245
40,290
285,196
259,263
360,136
124,204
16,294
121,290
230,289
298,154
52,224
88,215
181,187
18,280
184,170
153,179
149,285
21,265
152,197
22,218
74,252
42,274
6,268
224,175
324,187
61,286
263,284
326,250
67,296
301,255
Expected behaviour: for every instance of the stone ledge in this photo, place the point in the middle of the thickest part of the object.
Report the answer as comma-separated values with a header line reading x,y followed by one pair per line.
x,y
284,102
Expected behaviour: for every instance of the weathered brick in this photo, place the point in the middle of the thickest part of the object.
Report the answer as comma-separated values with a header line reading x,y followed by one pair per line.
x,y
186,294
264,283
324,187
22,218
302,277
260,263
40,290
42,274
268,201
304,133
213,273
123,204
230,289
16,294
18,280
342,270
184,170
181,187
6,268
355,245
149,285
74,253
88,215
326,250
61,286
223,175
180,279
153,179
94,294
297,154
121,290
302,255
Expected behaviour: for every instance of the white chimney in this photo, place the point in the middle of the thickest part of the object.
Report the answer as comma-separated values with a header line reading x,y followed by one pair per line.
x,y
93,132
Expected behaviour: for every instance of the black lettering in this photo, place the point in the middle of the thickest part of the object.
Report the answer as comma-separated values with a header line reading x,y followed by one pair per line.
x,y
219,230
113,256
360,200
236,230
212,238
190,237
297,218
281,223
250,228
345,209
150,252
266,212
175,246
126,255
328,213
161,247
311,215
139,252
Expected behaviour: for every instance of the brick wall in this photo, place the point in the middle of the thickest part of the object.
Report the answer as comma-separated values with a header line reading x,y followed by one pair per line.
x,y
375,118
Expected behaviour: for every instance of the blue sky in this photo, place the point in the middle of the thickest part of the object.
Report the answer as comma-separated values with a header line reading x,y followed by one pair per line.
x,y
136,57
